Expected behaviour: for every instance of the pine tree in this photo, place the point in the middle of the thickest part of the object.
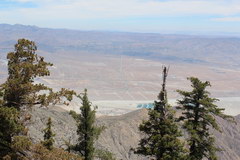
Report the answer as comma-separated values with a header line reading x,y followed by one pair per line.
x,y
161,139
198,115
9,127
19,92
24,65
87,131
48,135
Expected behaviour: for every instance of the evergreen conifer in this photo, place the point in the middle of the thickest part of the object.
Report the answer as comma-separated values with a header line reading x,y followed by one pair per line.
x,y
19,92
198,115
48,135
161,139
87,131
9,127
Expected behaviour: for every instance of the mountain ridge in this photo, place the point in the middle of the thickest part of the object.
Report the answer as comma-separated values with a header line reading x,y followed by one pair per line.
x,y
122,134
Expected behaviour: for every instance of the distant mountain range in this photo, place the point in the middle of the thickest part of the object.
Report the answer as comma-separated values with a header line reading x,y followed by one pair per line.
x,y
180,48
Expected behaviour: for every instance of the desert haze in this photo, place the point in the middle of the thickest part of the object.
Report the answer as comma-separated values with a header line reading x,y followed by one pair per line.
x,y
121,70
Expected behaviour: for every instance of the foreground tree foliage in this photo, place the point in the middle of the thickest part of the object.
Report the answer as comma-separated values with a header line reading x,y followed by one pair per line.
x,y
48,135
9,128
87,131
101,154
39,152
19,93
198,115
161,139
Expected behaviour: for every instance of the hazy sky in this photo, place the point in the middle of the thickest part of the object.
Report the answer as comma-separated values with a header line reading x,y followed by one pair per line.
x,y
168,16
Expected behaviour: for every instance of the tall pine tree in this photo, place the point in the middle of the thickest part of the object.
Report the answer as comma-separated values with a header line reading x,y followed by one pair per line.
x,y
161,139
87,131
19,92
198,115
48,135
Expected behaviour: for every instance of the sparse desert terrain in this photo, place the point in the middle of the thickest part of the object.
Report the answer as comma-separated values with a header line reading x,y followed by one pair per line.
x,y
122,69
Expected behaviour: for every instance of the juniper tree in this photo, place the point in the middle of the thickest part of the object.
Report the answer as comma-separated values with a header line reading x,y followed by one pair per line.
x,y
19,92
161,139
198,115
87,131
48,135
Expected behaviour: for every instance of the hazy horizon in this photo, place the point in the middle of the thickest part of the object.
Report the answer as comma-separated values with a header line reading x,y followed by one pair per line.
x,y
200,17
183,33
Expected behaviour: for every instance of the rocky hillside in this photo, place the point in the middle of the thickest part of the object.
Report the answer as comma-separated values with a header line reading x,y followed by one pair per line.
x,y
122,132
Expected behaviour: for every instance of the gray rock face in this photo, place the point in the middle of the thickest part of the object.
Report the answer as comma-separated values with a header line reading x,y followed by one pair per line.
x,y
64,126
121,133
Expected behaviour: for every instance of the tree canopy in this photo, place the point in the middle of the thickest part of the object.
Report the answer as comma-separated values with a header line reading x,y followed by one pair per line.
x,y
87,131
24,66
198,114
161,132
48,135
20,92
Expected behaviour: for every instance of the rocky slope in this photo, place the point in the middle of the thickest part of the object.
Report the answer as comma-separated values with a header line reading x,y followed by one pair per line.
x,y
122,132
